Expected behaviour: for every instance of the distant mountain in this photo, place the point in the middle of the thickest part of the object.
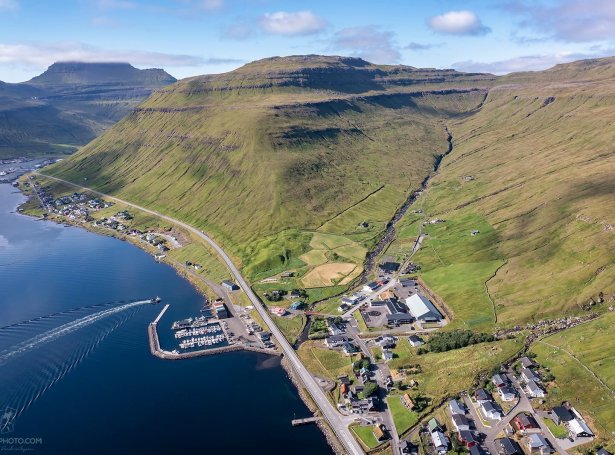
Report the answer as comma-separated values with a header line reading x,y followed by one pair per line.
x,y
80,73
70,104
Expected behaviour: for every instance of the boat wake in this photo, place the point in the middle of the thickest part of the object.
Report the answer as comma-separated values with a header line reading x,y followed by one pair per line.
x,y
24,381
65,329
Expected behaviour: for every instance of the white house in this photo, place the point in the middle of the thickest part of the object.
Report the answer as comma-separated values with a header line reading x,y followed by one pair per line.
x,y
460,422
415,341
456,407
440,441
387,355
529,375
507,393
533,390
579,429
489,411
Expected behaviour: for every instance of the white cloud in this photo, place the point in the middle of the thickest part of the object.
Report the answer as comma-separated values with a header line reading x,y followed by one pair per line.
x,y
8,5
369,43
211,5
458,23
292,24
42,55
535,62
422,46
568,20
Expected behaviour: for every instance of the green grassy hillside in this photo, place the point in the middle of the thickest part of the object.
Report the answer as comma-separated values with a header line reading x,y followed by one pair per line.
x,y
533,172
267,155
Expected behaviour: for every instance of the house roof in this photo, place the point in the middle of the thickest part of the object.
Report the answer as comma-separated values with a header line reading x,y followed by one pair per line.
x,y
562,413
420,307
475,450
529,374
415,339
439,439
509,447
526,362
399,317
603,451
378,433
537,440
482,395
456,407
466,435
389,266
526,421
578,426
460,420
488,407
499,379
433,424
507,391
336,338
533,387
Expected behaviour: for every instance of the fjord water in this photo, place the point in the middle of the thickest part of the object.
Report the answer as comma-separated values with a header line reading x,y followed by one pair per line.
x,y
97,389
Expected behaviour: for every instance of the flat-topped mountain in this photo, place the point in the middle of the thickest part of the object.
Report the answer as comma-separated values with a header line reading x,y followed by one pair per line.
x,y
70,104
81,73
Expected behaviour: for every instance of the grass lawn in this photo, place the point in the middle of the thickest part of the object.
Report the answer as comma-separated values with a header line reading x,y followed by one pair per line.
x,y
402,417
365,434
324,362
290,327
559,431
593,345
447,373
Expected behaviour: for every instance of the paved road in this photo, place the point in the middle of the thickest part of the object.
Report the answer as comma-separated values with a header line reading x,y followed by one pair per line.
x,y
333,418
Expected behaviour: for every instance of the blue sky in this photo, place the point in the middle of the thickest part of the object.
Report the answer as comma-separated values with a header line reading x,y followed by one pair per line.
x,y
191,37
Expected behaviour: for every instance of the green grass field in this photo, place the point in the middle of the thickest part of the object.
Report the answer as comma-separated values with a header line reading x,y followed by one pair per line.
x,y
593,347
324,362
559,431
365,434
290,327
448,373
402,417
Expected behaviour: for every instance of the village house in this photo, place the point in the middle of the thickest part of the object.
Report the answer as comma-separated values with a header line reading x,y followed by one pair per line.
x,y
415,341
499,380
434,425
489,411
467,438
537,443
397,319
371,287
229,285
460,422
362,406
482,396
440,441
529,375
386,341
526,362
507,393
335,341
456,407
277,311
603,451
533,390
388,267
579,429
507,446
349,348
524,422
379,432
407,283
387,355
407,401
560,415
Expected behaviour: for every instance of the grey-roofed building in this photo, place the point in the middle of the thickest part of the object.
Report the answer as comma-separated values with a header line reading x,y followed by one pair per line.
x,y
422,309
481,395
397,319
460,422
456,407
528,375
407,283
334,341
534,390
537,443
229,285
415,341
561,414
507,446
579,429
603,451
526,362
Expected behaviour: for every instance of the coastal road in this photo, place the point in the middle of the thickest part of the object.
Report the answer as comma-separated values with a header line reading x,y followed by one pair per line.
x,y
333,418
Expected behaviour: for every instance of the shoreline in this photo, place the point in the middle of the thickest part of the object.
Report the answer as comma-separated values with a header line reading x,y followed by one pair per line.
x,y
329,435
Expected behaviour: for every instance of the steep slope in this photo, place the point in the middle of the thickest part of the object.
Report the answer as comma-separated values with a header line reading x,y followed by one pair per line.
x,y
70,104
265,155
533,172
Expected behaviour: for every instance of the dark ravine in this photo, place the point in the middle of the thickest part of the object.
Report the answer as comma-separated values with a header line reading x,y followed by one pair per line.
x,y
389,232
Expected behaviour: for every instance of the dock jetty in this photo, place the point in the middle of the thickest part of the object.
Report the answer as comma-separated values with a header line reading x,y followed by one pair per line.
x,y
157,351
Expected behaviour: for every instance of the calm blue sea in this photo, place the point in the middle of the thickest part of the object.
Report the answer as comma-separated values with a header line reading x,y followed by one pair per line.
x,y
75,367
